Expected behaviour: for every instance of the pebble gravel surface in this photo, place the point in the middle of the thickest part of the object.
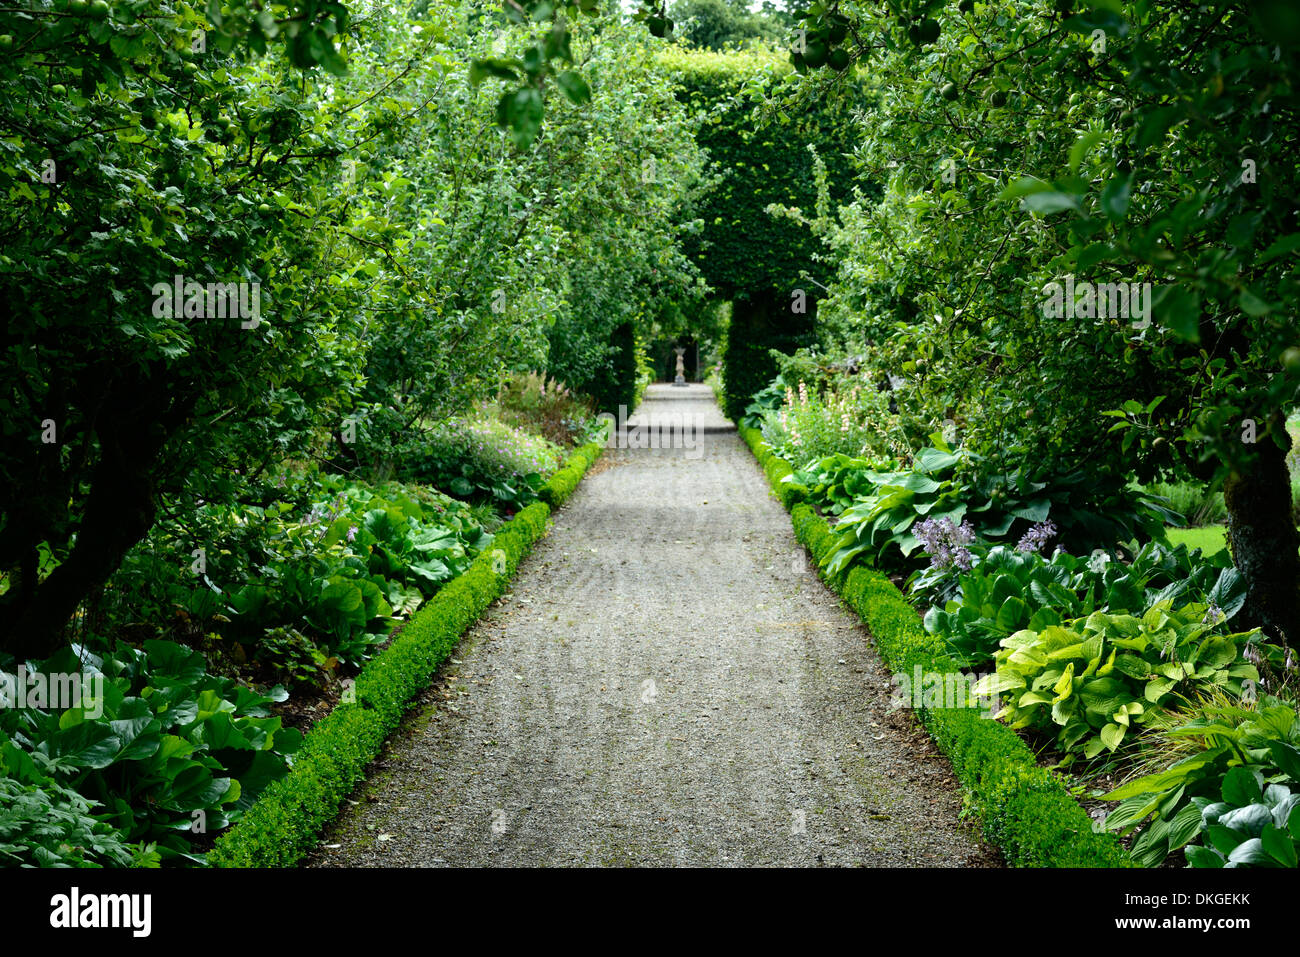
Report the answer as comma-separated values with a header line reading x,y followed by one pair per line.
x,y
666,684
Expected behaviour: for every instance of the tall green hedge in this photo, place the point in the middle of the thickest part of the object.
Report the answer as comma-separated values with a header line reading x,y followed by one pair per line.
x,y
747,255
760,322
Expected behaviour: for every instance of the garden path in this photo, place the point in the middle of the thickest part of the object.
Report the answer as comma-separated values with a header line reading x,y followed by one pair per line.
x,y
667,683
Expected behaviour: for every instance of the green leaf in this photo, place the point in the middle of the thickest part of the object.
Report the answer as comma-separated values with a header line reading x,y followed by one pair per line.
x,y
85,745
1025,186
1011,615
480,70
1287,244
1184,826
1051,202
1081,147
1277,844
1112,735
1287,758
1203,857
1252,305
574,87
1163,780
1178,310
1241,787
1224,839
1250,852
1115,196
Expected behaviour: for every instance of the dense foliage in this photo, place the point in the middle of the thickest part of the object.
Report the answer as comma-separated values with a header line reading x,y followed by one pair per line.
x,y
1084,144
392,254
767,266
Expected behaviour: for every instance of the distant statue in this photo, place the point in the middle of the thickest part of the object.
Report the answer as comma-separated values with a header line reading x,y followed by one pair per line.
x,y
681,366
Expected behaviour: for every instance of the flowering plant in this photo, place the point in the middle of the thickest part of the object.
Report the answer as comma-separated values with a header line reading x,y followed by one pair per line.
x,y
852,420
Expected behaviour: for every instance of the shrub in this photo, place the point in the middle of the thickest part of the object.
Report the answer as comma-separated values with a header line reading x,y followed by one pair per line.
x,y
545,407
761,323
946,483
481,458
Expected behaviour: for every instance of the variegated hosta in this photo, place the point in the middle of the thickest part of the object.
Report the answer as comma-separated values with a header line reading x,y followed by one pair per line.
x,y
1101,676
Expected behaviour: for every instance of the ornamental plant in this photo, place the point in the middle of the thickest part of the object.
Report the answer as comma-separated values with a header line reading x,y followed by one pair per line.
x,y
1253,825
837,481
1202,763
954,484
852,420
1009,590
1097,678
163,749
481,458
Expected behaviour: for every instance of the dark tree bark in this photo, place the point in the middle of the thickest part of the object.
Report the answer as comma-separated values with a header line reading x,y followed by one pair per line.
x,y
131,427
1264,539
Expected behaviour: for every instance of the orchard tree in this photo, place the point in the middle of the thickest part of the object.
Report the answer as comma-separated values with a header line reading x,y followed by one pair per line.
x,y
1086,145
173,214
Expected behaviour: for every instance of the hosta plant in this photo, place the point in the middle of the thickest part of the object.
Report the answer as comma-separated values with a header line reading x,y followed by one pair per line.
x,y
1190,755
1253,825
877,527
947,483
1099,677
335,560
836,481
1010,589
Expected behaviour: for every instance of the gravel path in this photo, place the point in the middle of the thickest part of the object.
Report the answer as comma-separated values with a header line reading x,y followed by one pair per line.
x,y
666,684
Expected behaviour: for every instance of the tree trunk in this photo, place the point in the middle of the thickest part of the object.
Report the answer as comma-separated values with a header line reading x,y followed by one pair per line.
x,y
1264,539
118,513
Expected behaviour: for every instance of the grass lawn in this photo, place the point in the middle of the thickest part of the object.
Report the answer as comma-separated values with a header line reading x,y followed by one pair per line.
x,y
1209,539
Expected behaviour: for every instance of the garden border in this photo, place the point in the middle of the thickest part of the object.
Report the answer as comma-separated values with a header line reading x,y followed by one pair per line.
x,y
285,822
1024,808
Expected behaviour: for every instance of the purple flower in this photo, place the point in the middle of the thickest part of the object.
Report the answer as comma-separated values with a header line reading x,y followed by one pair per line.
x,y
945,542
352,533
315,515
1037,536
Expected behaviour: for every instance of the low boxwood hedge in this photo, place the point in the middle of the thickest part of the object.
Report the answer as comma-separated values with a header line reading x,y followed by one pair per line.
x,y
561,485
288,818
775,467
1024,808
